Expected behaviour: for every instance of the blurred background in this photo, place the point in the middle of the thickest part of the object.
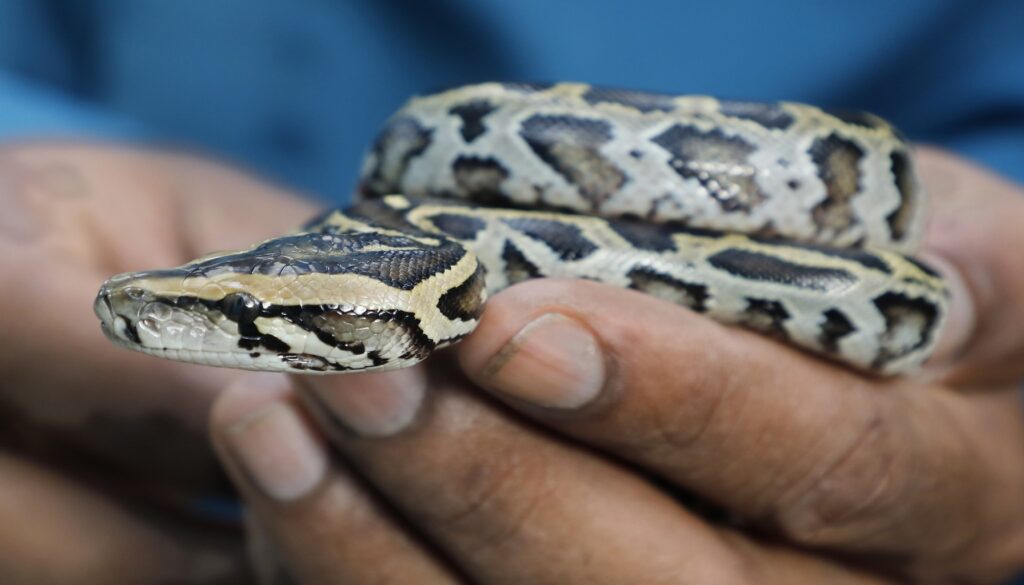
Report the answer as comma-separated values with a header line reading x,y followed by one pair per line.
x,y
294,89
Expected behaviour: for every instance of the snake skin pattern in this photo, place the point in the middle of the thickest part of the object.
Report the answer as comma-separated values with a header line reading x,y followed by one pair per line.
x,y
781,218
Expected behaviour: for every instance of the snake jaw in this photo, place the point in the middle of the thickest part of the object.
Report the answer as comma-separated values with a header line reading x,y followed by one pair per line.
x,y
159,313
173,326
142,320
114,324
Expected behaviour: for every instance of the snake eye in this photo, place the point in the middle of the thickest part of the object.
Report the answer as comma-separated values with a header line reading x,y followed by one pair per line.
x,y
240,307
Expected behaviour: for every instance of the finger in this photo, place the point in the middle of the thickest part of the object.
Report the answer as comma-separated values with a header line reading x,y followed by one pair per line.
x,y
975,232
54,531
140,206
787,441
73,216
510,505
321,524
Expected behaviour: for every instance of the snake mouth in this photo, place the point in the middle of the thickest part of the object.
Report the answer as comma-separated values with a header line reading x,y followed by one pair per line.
x,y
117,325
145,321
173,328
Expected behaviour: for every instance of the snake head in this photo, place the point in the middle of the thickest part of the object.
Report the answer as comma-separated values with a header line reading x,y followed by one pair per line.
x,y
321,302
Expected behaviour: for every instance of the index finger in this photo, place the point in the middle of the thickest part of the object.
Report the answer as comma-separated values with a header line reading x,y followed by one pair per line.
x,y
783,440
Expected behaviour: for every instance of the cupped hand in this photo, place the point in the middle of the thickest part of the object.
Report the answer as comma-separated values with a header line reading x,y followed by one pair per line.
x,y
606,412
95,440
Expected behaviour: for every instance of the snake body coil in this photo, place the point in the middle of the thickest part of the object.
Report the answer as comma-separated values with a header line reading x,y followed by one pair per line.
x,y
782,218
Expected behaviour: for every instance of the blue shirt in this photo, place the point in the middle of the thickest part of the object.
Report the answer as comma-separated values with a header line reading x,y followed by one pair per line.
x,y
295,89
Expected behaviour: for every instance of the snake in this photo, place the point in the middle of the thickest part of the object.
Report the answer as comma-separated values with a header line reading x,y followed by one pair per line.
x,y
783,218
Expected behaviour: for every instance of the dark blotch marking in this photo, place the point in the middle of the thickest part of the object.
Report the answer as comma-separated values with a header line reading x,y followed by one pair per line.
x,y
860,256
645,236
571,146
243,309
517,267
131,331
236,307
466,301
565,239
768,317
479,179
319,320
377,212
472,114
401,140
272,343
857,118
322,321
903,315
316,319
460,227
640,100
769,115
718,162
923,267
838,161
764,268
835,327
903,173
663,286
250,337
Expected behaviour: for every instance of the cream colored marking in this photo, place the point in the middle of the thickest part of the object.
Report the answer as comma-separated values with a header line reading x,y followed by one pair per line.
x,y
326,289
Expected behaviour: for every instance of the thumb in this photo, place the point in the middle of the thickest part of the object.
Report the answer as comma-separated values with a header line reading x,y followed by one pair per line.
x,y
976,238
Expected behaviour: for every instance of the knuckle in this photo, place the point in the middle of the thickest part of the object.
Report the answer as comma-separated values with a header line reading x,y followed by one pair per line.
x,y
852,494
682,430
680,435
493,501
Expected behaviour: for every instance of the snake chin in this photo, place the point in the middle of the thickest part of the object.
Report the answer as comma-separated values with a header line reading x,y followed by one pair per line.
x,y
140,320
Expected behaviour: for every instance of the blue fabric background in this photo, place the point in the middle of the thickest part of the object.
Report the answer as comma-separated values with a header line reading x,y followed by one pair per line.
x,y
294,89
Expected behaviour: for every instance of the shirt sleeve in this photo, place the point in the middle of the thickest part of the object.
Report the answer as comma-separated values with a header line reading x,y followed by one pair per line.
x,y
30,110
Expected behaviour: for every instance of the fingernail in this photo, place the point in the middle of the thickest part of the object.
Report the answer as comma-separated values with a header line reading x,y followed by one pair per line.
x,y
552,362
372,404
960,320
277,452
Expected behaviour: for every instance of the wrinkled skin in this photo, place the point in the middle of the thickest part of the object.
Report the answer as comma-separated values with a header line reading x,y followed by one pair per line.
x,y
93,437
421,476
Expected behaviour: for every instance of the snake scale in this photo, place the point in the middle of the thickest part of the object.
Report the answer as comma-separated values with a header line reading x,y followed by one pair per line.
x,y
779,217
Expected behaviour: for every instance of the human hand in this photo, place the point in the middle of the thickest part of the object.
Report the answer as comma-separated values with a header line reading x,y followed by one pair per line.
x,y
610,403
94,440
